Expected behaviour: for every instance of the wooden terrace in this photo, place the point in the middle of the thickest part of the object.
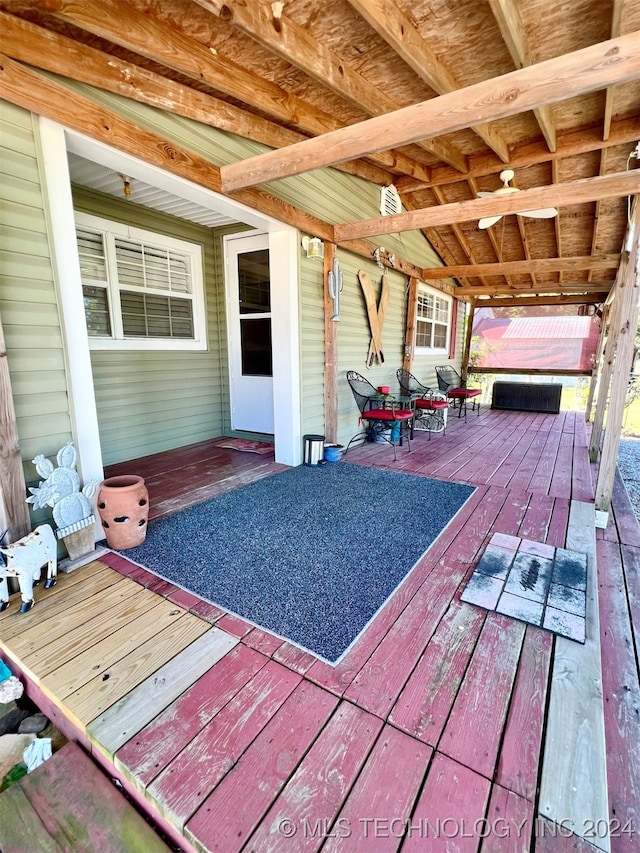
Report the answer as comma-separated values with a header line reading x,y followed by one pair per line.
x,y
443,723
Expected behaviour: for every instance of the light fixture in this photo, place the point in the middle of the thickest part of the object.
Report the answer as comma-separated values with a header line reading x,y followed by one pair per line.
x,y
126,185
313,246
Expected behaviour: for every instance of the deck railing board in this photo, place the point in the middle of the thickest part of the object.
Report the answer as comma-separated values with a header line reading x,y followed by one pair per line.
x,y
181,788
190,659
145,755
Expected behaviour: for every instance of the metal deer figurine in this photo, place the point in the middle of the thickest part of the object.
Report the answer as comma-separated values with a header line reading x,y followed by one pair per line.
x,y
335,288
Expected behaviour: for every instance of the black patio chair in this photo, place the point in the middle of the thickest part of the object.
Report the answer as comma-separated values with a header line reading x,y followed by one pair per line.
x,y
450,383
430,406
379,413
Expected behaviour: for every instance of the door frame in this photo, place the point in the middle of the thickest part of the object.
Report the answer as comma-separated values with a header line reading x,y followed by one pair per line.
x,y
232,249
54,141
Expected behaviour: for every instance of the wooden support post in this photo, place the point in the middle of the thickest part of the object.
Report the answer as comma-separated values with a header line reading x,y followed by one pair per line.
x,y
625,334
608,358
467,341
14,512
330,353
410,327
602,337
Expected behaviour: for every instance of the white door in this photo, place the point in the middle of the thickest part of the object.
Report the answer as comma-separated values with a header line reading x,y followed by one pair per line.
x,y
249,325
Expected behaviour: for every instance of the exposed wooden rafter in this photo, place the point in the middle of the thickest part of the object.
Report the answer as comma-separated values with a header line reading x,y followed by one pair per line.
x,y
298,46
616,29
586,70
52,52
397,29
508,18
538,265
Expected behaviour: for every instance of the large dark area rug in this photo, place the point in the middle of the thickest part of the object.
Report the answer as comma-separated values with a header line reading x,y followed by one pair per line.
x,y
310,554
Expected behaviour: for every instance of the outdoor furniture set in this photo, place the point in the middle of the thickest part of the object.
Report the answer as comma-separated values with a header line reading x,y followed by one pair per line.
x,y
391,418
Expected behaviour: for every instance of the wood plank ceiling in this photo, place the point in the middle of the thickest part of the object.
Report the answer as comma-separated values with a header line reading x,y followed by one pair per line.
x,y
283,72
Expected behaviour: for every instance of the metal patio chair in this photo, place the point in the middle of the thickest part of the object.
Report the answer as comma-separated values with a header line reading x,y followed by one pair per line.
x,y
379,413
430,406
450,383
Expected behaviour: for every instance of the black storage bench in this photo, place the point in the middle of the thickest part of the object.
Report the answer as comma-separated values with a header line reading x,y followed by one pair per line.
x,y
527,397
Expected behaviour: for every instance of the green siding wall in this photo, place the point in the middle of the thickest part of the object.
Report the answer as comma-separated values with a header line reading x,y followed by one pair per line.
x,y
149,402
28,299
152,401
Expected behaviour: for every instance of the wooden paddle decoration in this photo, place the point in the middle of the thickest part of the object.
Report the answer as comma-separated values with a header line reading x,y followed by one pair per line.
x,y
376,315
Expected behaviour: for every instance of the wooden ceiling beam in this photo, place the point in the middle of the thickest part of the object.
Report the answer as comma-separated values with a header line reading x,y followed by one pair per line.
x,y
400,33
577,287
508,19
514,300
570,144
586,70
297,46
572,192
146,35
50,51
32,91
540,266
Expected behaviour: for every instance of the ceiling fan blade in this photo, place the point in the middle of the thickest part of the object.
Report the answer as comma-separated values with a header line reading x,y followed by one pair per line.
x,y
542,213
484,195
488,221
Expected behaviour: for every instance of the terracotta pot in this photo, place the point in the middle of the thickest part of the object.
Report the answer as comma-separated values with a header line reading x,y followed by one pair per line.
x,y
123,506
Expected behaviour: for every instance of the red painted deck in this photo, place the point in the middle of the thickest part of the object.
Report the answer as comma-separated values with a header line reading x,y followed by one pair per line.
x,y
429,733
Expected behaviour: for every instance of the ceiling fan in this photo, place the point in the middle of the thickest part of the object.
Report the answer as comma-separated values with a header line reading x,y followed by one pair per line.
x,y
505,176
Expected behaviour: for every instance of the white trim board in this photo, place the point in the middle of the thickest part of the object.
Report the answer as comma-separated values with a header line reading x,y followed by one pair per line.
x,y
55,140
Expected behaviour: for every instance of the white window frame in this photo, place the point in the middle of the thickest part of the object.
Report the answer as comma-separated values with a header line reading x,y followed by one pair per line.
x,y
117,340
424,290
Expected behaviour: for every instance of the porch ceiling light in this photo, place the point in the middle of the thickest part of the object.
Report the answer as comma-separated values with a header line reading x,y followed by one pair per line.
x,y
313,246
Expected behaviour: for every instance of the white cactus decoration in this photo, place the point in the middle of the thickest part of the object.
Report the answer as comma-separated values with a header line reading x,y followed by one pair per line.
x,y
61,490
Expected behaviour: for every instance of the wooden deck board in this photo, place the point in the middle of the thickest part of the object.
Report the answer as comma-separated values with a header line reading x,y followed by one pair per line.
x,y
423,707
621,690
185,782
386,790
428,664
453,799
67,805
520,753
573,783
190,659
316,791
474,730
509,823
261,772
149,751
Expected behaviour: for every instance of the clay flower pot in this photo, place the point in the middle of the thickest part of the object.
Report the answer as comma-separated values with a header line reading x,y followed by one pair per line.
x,y
123,506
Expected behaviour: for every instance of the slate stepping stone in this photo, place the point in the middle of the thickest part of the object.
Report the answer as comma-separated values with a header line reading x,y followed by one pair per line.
x,y
34,724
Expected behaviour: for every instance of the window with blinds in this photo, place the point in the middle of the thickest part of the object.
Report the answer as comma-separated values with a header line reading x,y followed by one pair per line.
x,y
138,287
433,320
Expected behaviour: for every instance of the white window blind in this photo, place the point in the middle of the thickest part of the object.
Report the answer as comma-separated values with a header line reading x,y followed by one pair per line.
x,y
140,289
